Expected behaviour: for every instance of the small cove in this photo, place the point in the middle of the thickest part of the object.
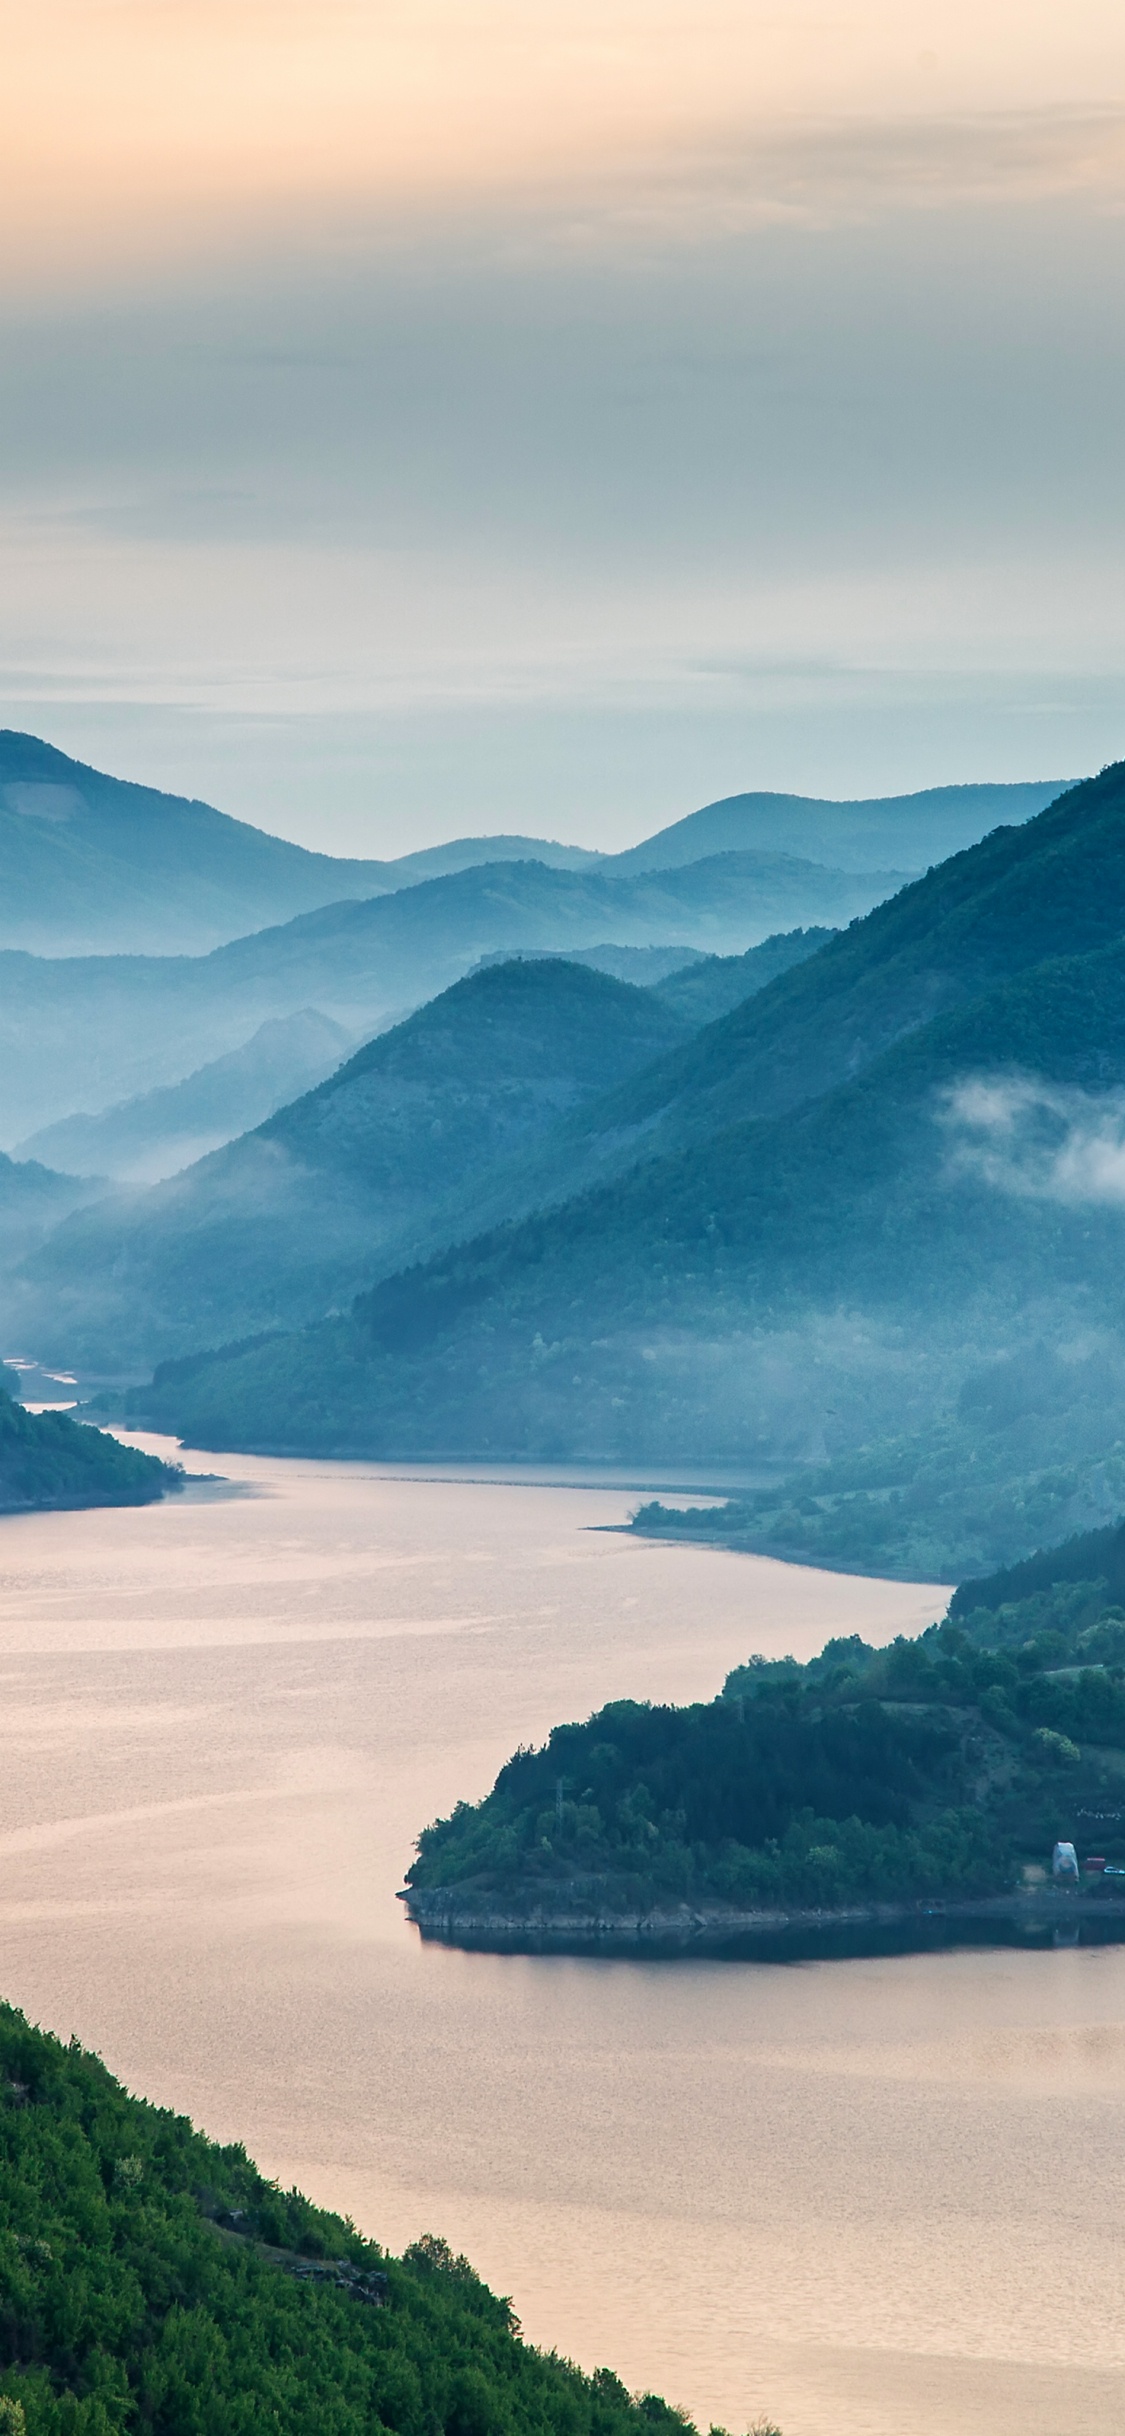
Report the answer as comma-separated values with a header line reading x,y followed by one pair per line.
x,y
845,2193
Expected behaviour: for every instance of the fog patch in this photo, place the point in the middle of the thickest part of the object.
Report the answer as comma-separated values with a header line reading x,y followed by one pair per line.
x,y
1033,1138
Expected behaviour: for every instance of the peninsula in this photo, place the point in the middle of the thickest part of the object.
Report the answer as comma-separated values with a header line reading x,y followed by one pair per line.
x,y
873,1786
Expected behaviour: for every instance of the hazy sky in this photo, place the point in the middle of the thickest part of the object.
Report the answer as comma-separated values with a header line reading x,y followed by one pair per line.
x,y
541,414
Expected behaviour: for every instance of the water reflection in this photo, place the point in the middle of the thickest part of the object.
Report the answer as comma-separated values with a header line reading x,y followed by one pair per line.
x,y
934,1932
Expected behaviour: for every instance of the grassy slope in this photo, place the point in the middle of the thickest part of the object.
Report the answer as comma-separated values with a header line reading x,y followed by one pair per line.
x,y
128,2304
935,1767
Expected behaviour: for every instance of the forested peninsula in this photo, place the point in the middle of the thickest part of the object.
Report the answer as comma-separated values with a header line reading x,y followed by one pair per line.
x,y
878,1783
151,2280
48,1461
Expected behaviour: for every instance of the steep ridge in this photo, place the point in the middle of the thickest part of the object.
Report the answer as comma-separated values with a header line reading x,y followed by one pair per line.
x,y
1053,887
284,1216
295,1217
880,1199
94,1030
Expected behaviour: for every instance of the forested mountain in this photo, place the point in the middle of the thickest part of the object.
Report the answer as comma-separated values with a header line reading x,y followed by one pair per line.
x,y
387,1157
85,1032
869,1191
469,1110
152,2279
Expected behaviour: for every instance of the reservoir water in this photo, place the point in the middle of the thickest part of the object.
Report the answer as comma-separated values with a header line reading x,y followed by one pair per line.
x,y
862,2198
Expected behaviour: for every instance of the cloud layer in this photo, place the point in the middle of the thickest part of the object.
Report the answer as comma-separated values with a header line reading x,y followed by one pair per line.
x,y
1027,1137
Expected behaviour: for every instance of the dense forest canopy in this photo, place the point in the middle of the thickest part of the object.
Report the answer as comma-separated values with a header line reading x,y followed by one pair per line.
x,y
154,2284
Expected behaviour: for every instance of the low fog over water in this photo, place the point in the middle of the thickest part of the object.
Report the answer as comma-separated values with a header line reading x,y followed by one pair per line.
x,y
861,2197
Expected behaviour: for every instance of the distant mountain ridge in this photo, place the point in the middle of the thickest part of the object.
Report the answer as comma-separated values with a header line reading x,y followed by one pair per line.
x,y
911,830
96,865
85,1032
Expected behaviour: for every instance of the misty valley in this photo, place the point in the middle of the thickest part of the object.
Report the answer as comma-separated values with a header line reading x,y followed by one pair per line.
x,y
707,1156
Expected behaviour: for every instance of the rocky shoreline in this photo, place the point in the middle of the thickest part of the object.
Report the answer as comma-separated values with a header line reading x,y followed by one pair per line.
x,y
585,1918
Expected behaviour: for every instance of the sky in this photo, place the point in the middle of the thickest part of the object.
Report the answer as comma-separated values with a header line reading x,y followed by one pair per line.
x,y
545,416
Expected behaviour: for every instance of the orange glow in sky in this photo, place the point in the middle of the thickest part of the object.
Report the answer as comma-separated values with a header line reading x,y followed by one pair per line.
x,y
414,411
126,125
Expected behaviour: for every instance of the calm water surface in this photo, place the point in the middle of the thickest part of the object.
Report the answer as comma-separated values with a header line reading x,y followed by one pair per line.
x,y
868,2198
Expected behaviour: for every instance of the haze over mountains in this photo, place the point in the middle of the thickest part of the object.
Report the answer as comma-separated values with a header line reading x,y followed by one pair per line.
x,y
89,862
394,1153
881,1197
788,1194
81,1033
140,1140
467,1111
94,865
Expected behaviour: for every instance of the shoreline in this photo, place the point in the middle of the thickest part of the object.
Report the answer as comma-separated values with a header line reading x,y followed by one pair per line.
x,y
479,1921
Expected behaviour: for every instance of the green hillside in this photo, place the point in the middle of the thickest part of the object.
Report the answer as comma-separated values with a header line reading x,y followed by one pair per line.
x,y
939,1769
392,1154
49,1461
843,1283
150,2280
